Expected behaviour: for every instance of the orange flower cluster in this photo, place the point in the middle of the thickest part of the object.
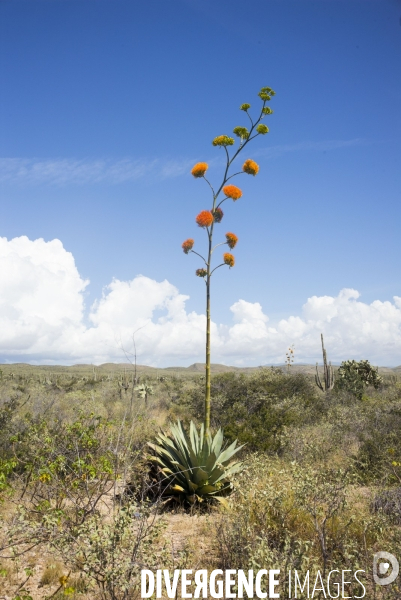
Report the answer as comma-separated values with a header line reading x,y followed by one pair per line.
x,y
218,215
250,167
231,240
232,191
199,169
201,272
229,259
188,245
205,218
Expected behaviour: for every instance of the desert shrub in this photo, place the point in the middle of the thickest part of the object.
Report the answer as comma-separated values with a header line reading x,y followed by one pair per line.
x,y
65,471
389,503
301,518
105,553
8,463
257,409
112,552
66,482
261,424
379,454
354,377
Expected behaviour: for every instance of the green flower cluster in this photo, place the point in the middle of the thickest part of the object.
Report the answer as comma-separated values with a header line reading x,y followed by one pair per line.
x,y
263,129
241,132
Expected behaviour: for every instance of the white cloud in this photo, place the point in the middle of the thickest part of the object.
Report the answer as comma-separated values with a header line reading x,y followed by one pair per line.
x,y
62,171
321,146
42,319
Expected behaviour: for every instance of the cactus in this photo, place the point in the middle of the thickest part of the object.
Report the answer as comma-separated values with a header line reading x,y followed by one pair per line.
x,y
328,374
144,390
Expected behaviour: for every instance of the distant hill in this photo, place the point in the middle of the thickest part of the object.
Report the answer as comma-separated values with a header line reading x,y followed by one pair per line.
x,y
192,369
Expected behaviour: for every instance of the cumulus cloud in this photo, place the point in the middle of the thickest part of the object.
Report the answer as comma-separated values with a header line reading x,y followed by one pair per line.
x,y
43,319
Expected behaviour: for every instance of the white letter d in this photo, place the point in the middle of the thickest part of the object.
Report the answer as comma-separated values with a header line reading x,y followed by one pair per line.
x,y
151,589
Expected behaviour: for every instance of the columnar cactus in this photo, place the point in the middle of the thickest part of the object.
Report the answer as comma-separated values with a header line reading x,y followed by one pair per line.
x,y
328,375
207,219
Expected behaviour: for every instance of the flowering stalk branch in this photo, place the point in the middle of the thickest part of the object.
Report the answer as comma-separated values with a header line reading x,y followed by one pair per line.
x,y
217,245
207,218
218,266
235,174
210,185
197,253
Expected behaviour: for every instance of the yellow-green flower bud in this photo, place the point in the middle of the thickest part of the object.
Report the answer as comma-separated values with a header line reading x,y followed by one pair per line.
x,y
266,110
241,132
223,140
264,96
244,106
262,129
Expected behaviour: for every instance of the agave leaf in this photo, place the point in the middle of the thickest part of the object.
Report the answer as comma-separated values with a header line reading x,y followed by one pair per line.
x,y
192,485
172,456
216,475
200,476
176,468
229,453
207,489
227,472
210,462
158,460
204,453
165,442
201,437
195,462
194,438
181,442
223,501
181,479
177,488
217,442
235,468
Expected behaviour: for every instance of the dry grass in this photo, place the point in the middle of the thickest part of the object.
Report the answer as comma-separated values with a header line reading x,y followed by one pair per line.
x,y
52,573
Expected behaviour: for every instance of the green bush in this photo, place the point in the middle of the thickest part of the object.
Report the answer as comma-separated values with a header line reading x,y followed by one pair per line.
x,y
354,377
257,409
302,517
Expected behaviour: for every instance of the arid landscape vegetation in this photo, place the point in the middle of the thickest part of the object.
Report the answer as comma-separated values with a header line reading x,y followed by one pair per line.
x,y
83,510
158,209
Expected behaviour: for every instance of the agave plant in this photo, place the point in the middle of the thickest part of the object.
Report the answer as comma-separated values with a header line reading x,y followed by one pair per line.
x,y
195,468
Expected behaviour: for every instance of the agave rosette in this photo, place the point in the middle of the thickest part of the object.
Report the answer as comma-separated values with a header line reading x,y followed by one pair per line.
x,y
195,467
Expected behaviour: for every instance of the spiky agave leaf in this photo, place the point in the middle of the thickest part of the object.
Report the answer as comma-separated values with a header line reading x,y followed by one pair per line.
x,y
195,467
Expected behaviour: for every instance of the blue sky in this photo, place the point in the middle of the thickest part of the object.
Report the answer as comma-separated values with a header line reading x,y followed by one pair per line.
x,y
107,104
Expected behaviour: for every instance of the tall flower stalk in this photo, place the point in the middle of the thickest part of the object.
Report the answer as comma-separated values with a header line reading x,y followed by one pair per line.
x,y
207,219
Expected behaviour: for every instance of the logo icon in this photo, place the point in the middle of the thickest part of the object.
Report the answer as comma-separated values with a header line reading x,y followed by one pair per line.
x,y
381,565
